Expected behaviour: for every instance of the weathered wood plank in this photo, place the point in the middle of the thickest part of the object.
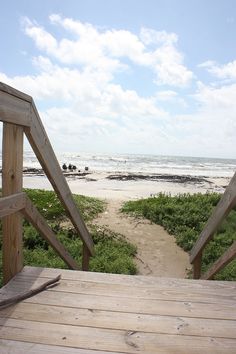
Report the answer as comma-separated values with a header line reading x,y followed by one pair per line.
x,y
12,204
225,259
82,313
197,266
11,300
14,110
18,347
122,321
124,304
221,287
14,92
12,167
85,258
112,340
40,143
226,203
38,221
22,283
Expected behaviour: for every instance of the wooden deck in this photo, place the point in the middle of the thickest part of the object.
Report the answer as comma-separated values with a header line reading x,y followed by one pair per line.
x,y
98,313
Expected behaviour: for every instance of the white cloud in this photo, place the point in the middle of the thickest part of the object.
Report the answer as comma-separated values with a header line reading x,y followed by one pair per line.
x,y
166,95
211,129
150,36
84,106
106,50
168,66
226,71
43,39
217,98
91,107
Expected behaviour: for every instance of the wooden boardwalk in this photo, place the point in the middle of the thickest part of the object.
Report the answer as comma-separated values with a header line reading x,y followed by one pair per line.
x,y
98,313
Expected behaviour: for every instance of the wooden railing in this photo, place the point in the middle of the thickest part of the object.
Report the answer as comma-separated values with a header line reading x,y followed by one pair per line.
x,y
225,205
20,116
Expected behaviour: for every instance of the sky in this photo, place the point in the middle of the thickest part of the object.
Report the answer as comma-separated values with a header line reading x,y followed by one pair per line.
x,y
128,76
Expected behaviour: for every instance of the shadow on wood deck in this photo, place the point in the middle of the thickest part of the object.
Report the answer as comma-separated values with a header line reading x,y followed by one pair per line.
x,y
98,313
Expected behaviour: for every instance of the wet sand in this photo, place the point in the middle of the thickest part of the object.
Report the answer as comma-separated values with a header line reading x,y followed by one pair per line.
x,y
129,186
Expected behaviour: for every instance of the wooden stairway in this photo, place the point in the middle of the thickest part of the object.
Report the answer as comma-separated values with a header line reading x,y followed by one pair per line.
x,y
99,313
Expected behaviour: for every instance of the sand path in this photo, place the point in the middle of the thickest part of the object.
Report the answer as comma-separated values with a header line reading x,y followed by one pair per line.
x,y
157,252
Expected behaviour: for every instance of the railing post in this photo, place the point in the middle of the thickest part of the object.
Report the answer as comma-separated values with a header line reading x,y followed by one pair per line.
x,y
197,266
12,181
85,258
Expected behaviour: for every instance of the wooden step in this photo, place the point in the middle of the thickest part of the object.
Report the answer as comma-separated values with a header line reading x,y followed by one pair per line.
x,y
107,313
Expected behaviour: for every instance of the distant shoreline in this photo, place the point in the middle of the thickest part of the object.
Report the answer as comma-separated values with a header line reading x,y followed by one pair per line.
x,y
127,185
129,176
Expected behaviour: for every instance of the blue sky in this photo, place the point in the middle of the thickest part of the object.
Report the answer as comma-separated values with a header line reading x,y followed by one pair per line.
x,y
155,77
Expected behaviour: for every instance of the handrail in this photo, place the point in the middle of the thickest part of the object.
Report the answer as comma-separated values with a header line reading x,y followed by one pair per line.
x,y
225,205
19,202
11,204
19,109
225,259
37,220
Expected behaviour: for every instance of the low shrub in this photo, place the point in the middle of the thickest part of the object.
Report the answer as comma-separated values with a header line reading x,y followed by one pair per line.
x,y
113,254
184,216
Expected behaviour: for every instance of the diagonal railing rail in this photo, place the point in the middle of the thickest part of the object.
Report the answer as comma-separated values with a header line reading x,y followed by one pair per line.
x,y
21,203
20,116
225,205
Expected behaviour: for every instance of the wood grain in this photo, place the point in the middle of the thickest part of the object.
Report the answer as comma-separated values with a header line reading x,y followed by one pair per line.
x,y
12,204
18,347
85,258
112,340
226,203
29,293
40,143
12,167
141,281
225,259
14,92
186,294
197,266
135,314
88,317
118,304
37,220
14,110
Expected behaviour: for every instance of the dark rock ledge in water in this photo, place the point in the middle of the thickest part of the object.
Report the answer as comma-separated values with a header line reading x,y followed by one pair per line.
x,y
30,171
164,178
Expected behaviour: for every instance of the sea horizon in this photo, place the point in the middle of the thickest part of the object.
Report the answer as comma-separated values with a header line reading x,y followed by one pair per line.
x,y
142,163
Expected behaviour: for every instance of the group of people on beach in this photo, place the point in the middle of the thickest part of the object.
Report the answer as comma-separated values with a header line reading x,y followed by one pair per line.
x,y
71,167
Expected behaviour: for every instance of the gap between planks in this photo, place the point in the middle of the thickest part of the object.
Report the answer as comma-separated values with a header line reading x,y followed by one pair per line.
x,y
19,347
122,321
130,305
112,340
23,283
137,280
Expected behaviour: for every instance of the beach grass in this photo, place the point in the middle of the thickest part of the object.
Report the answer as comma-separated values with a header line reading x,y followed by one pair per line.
x,y
184,216
113,254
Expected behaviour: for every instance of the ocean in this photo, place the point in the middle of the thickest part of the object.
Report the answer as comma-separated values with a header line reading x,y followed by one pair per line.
x,y
148,164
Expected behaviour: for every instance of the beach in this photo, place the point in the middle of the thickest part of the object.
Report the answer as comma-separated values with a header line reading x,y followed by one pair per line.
x,y
155,247
130,176
127,185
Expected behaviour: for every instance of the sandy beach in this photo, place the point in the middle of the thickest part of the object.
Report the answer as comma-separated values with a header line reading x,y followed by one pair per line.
x,y
129,186
155,247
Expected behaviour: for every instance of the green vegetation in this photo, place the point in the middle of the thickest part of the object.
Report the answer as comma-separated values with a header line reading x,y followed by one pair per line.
x,y
184,216
113,254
